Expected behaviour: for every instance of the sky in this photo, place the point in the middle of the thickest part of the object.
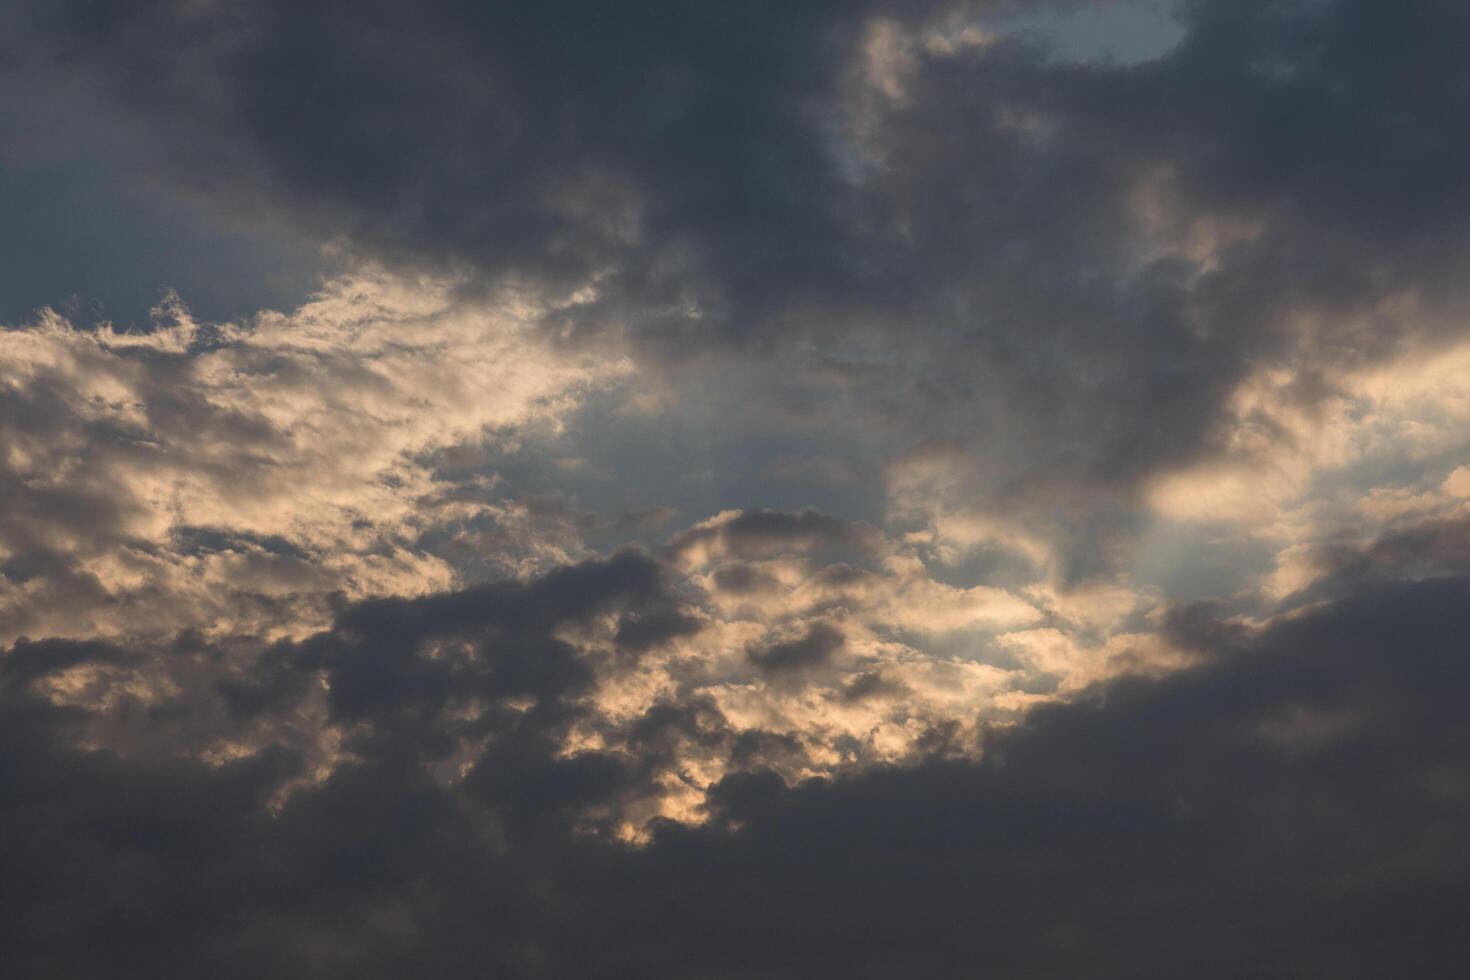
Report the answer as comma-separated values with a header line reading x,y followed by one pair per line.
x,y
834,488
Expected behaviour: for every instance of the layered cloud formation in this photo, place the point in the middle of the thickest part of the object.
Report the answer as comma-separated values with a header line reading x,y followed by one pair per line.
x,y
792,489
198,477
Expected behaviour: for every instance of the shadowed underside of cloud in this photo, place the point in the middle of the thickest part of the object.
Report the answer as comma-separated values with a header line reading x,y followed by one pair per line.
x,y
1293,805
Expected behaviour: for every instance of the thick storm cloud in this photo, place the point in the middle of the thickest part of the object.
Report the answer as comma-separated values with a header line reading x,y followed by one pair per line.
x,y
780,172
1292,806
871,488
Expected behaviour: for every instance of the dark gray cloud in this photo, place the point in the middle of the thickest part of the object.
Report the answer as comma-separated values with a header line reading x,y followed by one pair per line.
x,y
1423,549
709,155
541,141
768,533
970,248
812,650
1293,805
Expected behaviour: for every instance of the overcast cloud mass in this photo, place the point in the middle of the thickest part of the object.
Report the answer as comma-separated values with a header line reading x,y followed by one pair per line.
x,y
820,488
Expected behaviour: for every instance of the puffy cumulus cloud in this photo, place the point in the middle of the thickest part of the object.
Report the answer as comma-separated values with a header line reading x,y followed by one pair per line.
x,y
1290,803
833,637
1077,666
233,476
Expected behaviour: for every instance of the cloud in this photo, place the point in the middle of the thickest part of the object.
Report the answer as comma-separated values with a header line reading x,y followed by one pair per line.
x,y
812,650
1359,453
764,534
752,178
1289,801
896,255
233,476
863,489
830,666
